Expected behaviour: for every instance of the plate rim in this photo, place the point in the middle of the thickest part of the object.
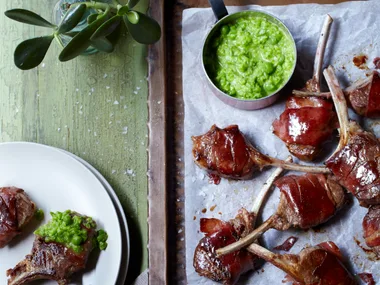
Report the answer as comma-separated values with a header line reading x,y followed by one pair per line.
x,y
112,192
81,165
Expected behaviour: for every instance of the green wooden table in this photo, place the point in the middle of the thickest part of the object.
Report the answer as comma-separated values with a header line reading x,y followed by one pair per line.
x,y
94,106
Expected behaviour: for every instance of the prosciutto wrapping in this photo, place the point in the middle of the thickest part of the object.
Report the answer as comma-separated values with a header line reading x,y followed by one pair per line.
x,y
306,201
227,153
226,269
364,96
356,165
371,227
317,265
305,124
308,121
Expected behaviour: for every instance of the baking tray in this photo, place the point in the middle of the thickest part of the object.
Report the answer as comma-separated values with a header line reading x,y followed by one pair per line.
x,y
166,149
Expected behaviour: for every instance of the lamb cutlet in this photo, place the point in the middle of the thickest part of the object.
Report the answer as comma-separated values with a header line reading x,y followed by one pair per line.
x,y
305,201
307,122
227,153
228,269
54,260
16,211
355,163
371,227
317,265
363,96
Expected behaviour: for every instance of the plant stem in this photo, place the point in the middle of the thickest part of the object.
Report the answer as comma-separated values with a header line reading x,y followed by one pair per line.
x,y
58,38
98,5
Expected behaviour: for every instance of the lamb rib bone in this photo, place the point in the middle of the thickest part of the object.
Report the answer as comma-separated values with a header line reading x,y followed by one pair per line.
x,y
227,153
314,116
266,187
340,106
305,201
355,162
218,233
314,84
321,264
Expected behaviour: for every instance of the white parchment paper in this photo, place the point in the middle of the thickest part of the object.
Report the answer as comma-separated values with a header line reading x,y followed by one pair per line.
x,y
355,30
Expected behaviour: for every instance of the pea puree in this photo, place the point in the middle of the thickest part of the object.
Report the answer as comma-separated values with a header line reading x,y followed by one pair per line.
x,y
69,229
250,58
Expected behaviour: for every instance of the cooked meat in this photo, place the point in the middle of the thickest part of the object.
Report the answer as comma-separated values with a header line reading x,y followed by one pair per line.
x,y
51,260
371,227
226,269
305,201
305,125
318,265
16,211
364,96
355,163
227,153
308,121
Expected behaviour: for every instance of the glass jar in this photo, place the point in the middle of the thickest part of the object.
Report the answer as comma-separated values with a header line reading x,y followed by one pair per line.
x,y
59,12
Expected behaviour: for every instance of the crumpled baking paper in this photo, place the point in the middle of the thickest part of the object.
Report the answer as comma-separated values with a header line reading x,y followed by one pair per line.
x,y
355,31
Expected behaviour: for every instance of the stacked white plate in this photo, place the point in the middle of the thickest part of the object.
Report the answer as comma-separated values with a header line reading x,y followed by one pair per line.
x,y
57,181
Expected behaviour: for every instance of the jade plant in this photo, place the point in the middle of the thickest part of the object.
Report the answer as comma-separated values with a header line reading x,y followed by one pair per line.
x,y
101,31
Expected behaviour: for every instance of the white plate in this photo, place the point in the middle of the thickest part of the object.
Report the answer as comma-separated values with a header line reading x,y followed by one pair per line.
x,y
57,182
120,212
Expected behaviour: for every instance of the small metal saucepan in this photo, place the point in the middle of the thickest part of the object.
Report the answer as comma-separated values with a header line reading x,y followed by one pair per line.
x,y
223,17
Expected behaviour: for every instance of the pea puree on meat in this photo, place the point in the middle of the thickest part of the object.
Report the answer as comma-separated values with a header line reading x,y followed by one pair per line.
x,y
70,229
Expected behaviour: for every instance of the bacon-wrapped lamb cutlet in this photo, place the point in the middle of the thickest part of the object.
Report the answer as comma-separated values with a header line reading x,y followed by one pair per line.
x,y
227,153
305,201
307,122
363,96
371,227
228,268
317,265
16,211
356,161
52,260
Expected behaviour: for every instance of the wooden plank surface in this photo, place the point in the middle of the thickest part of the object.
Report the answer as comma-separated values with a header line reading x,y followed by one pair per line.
x,y
157,155
94,106
174,112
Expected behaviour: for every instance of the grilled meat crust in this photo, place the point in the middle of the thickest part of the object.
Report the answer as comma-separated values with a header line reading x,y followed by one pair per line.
x,y
16,210
371,227
307,200
228,268
51,260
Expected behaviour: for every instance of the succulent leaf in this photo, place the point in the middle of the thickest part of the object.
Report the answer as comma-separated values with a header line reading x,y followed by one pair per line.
x,y
30,53
133,17
91,18
107,28
82,41
103,44
123,10
146,31
28,17
72,17
132,3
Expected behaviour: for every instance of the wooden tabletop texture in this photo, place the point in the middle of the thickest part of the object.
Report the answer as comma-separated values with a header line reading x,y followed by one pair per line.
x,y
93,106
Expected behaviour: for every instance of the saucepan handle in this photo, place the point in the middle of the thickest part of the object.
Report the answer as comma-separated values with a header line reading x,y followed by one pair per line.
x,y
218,8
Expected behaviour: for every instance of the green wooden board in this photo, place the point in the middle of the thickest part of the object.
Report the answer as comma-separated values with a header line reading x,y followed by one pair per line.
x,y
94,106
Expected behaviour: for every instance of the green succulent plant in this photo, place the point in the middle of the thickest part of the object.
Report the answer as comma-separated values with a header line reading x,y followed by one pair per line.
x,y
100,32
